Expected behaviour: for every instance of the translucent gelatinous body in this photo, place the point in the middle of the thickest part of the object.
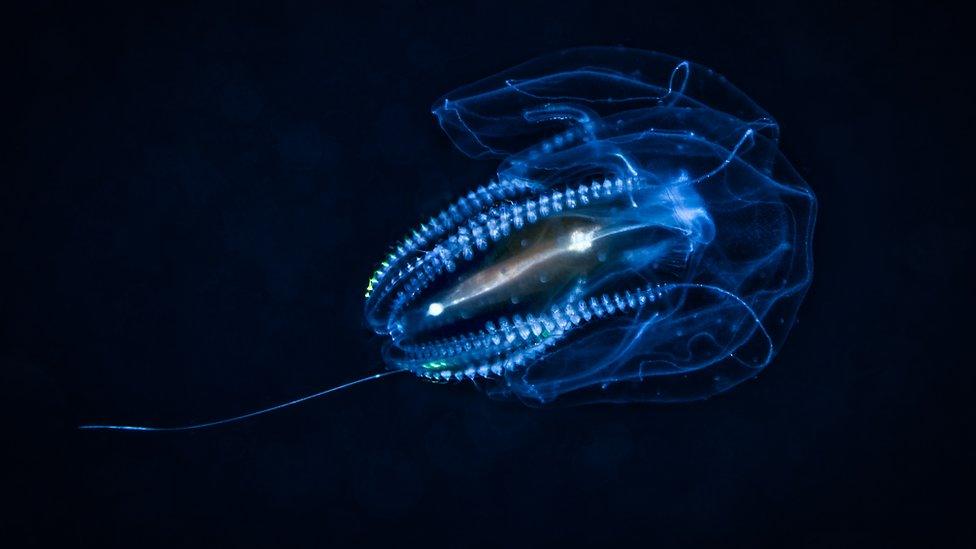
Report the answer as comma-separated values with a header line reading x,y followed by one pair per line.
x,y
644,238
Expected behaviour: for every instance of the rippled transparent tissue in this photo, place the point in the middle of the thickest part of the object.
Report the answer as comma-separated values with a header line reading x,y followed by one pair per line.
x,y
644,239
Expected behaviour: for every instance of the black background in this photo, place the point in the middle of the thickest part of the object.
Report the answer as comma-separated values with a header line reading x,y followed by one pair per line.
x,y
195,198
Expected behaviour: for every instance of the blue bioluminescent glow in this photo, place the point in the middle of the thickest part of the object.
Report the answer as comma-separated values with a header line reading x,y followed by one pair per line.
x,y
644,239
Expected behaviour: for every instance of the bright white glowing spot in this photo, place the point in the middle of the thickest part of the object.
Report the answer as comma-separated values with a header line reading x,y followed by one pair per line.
x,y
435,309
580,241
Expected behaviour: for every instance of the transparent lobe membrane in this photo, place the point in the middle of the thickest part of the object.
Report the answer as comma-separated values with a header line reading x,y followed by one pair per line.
x,y
644,238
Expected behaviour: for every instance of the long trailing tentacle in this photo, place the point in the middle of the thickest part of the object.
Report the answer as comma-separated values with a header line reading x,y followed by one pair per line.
x,y
248,415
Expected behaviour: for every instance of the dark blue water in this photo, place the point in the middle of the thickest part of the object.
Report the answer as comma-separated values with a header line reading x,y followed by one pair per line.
x,y
194,200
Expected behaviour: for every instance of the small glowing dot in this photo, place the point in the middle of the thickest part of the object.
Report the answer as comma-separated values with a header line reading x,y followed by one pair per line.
x,y
435,309
580,241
